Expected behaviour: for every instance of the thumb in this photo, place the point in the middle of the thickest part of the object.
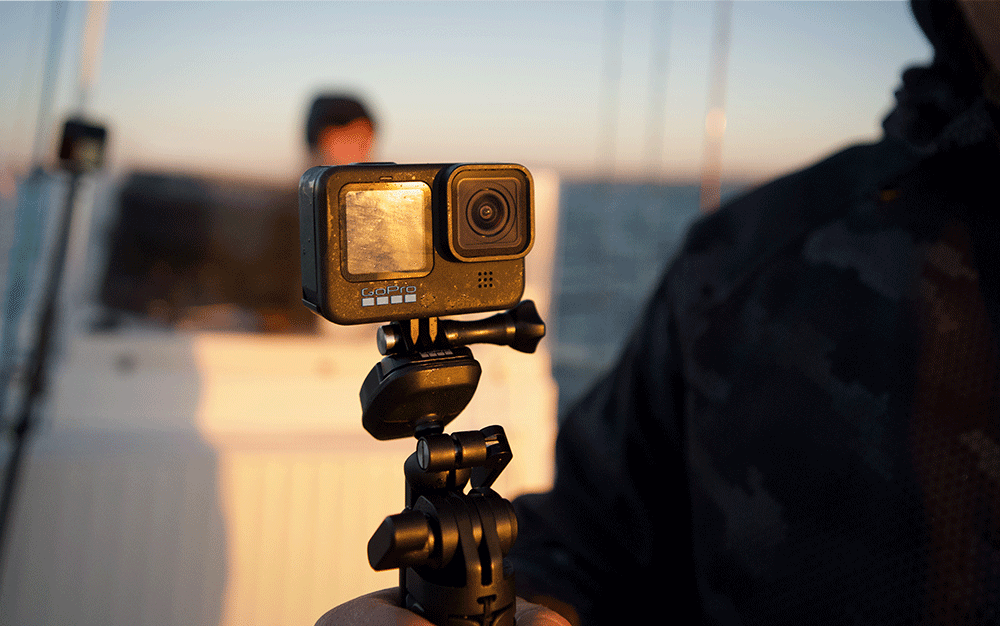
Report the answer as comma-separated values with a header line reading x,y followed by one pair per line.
x,y
529,614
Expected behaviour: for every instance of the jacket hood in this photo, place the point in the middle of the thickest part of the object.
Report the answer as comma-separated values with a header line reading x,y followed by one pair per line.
x,y
944,106
956,50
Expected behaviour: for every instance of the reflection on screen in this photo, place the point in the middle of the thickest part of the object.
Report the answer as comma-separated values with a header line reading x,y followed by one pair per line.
x,y
387,229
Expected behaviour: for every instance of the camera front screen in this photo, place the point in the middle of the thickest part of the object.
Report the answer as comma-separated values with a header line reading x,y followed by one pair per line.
x,y
387,228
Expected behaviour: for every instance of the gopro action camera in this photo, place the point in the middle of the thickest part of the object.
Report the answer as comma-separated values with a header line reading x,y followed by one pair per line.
x,y
387,242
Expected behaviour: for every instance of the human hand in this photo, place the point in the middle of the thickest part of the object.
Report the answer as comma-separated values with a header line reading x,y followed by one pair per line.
x,y
382,609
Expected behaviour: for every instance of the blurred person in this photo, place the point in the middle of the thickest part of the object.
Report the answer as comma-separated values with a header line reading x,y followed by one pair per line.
x,y
339,130
803,428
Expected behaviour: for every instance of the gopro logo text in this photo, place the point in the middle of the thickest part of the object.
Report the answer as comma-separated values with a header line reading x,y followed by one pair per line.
x,y
391,294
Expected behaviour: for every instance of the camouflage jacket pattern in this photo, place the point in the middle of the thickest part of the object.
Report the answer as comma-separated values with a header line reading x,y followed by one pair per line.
x,y
803,429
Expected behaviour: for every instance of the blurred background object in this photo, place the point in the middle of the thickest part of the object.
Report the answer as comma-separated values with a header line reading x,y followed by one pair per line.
x,y
199,458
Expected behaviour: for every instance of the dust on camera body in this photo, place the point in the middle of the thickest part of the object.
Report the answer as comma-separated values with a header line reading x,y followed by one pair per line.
x,y
387,242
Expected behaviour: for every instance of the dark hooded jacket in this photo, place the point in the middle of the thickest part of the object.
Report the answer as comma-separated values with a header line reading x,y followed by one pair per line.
x,y
805,426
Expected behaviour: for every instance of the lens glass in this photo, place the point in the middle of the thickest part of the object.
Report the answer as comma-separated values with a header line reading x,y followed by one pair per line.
x,y
488,212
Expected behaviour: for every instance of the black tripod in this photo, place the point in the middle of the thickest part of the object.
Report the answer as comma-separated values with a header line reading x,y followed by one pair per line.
x,y
448,544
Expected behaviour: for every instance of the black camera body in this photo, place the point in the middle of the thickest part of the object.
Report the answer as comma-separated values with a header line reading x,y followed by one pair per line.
x,y
387,242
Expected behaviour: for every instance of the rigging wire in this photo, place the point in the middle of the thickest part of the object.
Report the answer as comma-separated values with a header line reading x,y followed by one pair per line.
x,y
17,383
57,34
30,217
34,43
20,417
611,86
659,64
715,118
90,50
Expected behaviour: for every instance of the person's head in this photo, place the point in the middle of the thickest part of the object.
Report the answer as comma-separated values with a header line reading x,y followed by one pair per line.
x,y
966,38
983,17
339,130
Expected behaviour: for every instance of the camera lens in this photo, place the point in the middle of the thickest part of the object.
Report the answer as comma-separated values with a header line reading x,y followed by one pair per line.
x,y
488,212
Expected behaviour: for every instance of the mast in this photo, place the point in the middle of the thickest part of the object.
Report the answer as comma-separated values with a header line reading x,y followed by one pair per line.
x,y
90,50
715,117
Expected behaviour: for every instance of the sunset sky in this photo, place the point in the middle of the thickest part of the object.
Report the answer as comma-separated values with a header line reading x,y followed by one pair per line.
x,y
223,86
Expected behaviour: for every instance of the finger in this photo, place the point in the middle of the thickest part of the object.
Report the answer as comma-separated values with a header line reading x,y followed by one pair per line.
x,y
529,614
380,608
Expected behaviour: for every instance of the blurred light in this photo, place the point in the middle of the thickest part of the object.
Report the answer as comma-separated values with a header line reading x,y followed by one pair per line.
x,y
715,123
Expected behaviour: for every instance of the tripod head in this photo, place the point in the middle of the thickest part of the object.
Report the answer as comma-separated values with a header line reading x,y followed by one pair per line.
x,y
428,375
448,544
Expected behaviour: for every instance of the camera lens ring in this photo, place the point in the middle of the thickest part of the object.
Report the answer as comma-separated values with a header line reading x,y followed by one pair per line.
x,y
488,212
